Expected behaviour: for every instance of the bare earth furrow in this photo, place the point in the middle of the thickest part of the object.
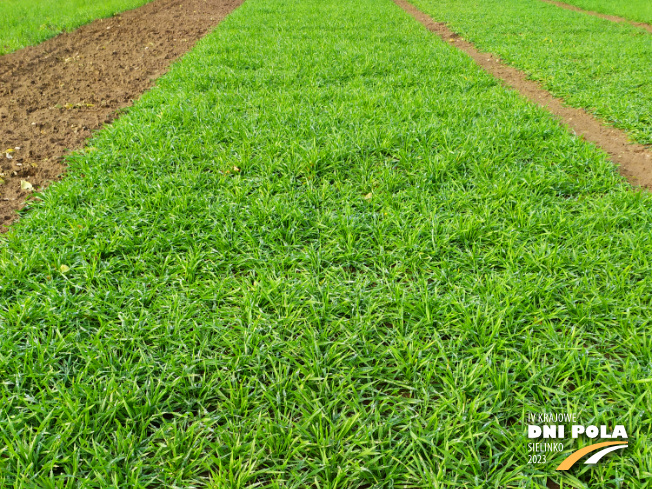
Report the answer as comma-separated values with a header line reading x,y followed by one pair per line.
x,y
54,95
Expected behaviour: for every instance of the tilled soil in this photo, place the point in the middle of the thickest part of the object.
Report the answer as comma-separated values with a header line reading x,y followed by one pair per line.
x,y
612,18
634,161
54,95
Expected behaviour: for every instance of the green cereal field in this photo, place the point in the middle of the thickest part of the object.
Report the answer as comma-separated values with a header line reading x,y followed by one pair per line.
x,y
327,250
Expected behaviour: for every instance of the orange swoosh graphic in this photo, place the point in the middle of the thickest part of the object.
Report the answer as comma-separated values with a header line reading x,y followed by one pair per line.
x,y
575,456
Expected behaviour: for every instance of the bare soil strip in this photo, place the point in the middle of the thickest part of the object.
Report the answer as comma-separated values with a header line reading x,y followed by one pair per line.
x,y
612,18
634,161
54,95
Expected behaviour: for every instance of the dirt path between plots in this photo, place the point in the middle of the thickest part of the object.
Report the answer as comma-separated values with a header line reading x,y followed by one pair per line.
x,y
634,161
612,18
54,95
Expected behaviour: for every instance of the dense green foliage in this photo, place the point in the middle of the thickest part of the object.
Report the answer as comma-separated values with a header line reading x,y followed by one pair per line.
x,y
327,251
638,10
27,22
592,63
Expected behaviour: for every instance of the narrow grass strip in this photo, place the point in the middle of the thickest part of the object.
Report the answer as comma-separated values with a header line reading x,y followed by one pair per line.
x,y
327,251
634,161
28,22
635,10
610,17
595,64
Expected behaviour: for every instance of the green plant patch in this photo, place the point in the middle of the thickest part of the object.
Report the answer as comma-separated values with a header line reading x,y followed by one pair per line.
x,y
28,22
592,63
638,10
327,250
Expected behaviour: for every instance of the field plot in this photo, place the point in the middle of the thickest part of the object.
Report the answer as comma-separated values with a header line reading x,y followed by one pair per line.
x,y
637,10
27,22
52,96
326,251
592,63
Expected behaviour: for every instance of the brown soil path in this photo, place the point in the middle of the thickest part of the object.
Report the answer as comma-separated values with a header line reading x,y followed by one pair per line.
x,y
633,160
612,18
54,95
